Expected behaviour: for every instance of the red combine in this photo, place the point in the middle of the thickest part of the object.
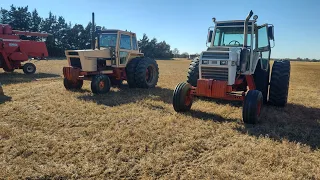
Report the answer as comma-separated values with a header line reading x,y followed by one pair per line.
x,y
14,51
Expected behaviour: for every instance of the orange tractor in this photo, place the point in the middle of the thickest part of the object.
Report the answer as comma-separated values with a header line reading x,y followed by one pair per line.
x,y
230,70
114,57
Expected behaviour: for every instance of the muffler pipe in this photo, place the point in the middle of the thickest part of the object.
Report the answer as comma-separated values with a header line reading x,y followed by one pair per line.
x,y
244,52
246,29
93,33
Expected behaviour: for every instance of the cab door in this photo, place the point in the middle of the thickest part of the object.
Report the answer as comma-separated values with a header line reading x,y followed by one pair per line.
x,y
125,47
263,46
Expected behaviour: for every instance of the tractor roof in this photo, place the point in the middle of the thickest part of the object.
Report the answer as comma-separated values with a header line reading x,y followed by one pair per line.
x,y
234,23
115,31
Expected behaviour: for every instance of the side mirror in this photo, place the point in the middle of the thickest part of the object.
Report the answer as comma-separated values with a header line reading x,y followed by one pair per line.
x,y
209,36
271,32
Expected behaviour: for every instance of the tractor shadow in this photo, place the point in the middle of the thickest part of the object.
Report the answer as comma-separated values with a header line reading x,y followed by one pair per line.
x,y
208,116
126,95
295,123
4,98
221,101
15,78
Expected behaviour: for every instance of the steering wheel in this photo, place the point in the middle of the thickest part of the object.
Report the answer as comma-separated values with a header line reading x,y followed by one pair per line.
x,y
235,42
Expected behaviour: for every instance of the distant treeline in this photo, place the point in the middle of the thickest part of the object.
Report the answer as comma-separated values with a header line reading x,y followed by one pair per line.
x,y
68,36
299,59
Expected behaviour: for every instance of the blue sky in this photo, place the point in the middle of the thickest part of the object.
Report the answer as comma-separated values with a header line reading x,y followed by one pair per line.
x,y
184,24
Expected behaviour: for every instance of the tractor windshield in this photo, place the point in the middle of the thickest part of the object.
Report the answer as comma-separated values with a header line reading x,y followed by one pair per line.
x,y
108,40
230,36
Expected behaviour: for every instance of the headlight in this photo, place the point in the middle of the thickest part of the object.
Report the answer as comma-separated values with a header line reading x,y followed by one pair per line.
x,y
223,62
233,63
205,62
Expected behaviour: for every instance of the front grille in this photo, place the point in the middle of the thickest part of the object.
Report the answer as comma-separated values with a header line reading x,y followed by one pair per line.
x,y
75,62
215,55
214,73
218,49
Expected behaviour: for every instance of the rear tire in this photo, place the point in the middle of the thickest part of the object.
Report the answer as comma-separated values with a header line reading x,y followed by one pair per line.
x,y
252,106
70,85
193,73
147,73
181,97
100,84
29,68
261,80
130,71
279,84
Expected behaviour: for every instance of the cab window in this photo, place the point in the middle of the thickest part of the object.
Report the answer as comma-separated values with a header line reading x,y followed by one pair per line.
x,y
263,40
125,42
134,43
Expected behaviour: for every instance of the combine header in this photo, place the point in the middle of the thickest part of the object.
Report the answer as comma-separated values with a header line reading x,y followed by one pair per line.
x,y
14,51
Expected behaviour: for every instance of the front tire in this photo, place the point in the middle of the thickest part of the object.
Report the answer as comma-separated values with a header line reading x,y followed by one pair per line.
x,y
100,84
70,85
252,106
279,84
193,72
29,68
147,73
182,100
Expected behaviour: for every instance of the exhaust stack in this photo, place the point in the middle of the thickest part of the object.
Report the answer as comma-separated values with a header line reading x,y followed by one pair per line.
x,y
246,29
93,33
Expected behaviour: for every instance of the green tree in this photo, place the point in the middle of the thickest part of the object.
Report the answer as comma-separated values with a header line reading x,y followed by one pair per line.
x,y
143,43
48,25
67,36
35,23
175,52
20,18
4,17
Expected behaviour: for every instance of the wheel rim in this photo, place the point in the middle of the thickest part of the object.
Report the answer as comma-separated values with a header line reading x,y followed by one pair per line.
x,y
30,68
259,108
101,84
188,98
149,74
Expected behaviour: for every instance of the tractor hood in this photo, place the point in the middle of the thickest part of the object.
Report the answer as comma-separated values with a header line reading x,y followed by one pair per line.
x,y
90,53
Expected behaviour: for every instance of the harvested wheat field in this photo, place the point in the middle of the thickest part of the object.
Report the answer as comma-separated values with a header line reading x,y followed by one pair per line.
x,y
47,132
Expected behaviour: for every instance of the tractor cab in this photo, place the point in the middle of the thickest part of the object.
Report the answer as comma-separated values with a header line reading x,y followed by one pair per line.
x,y
244,41
230,34
122,44
112,48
